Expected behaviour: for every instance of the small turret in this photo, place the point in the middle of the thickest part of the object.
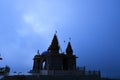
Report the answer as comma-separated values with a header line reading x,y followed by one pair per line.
x,y
37,62
69,50
38,53
37,56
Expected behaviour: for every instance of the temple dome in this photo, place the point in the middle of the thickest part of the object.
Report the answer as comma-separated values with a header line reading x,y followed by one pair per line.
x,y
45,53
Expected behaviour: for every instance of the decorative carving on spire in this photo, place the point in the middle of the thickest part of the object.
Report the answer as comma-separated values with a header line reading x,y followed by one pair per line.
x,y
69,50
54,47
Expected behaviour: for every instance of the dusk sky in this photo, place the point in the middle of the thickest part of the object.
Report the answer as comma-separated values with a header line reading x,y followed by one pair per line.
x,y
93,25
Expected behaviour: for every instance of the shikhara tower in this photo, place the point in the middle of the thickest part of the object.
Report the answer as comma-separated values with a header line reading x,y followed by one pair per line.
x,y
52,59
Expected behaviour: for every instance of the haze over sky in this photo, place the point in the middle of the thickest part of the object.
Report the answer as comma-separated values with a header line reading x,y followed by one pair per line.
x,y
93,25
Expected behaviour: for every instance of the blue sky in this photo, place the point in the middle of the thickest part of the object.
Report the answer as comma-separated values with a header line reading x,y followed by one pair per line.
x,y
93,25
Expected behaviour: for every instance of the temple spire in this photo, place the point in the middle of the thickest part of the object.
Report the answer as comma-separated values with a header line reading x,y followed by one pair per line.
x,y
69,50
54,47
38,52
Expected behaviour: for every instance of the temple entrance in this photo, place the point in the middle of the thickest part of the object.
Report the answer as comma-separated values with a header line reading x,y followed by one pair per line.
x,y
44,65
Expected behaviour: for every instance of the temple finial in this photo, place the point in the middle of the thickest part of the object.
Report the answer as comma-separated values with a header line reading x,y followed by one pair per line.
x,y
56,32
64,41
38,51
69,38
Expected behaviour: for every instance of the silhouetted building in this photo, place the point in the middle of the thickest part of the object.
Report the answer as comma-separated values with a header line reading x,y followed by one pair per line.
x,y
52,59
54,62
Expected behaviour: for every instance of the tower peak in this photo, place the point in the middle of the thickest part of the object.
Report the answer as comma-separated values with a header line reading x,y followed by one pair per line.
x,y
69,50
54,46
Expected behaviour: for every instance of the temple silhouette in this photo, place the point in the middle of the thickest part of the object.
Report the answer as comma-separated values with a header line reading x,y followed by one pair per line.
x,y
55,65
51,59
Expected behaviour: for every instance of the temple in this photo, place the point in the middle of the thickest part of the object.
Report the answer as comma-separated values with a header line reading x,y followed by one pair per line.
x,y
52,59
53,62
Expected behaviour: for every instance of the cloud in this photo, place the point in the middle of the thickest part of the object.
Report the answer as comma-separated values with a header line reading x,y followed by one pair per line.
x,y
36,24
42,17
